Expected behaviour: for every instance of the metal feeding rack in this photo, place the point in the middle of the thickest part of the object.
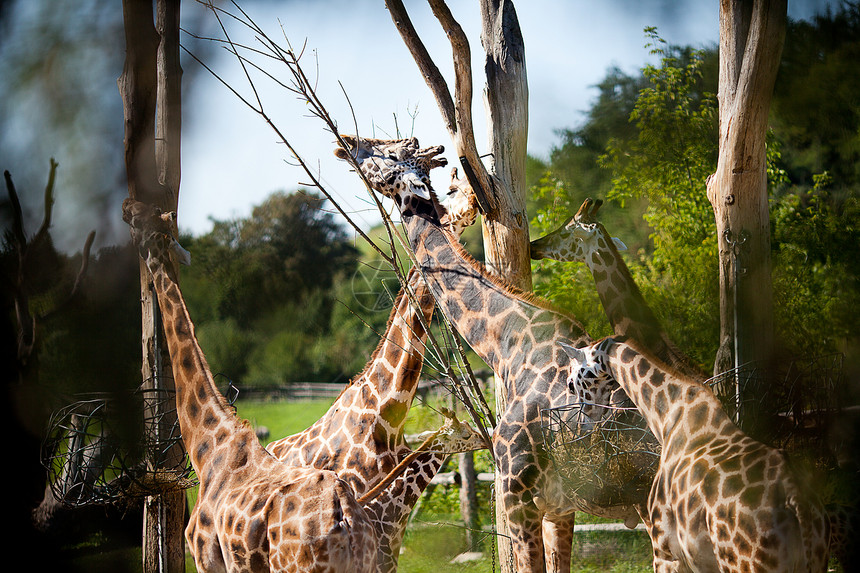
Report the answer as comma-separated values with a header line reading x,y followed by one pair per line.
x,y
109,448
789,407
610,463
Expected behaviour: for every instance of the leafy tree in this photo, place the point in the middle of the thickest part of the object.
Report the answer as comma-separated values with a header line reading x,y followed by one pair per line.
x,y
264,290
816,111
656,165
288,248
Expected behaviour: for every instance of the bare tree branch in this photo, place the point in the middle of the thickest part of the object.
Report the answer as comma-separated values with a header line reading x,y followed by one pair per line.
x,y
457,112
300,85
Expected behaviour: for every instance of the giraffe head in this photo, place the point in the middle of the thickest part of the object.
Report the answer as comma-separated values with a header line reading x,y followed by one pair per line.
x,y
580,237
453,437
590,380
397,168
461,205
152,232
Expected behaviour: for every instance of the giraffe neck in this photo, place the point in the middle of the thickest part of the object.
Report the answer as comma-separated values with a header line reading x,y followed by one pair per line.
x,y
205,418
395,366
389,507
377,399
625,307
675,406
501,324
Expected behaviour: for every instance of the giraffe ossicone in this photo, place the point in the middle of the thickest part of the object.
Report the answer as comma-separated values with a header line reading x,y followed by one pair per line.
x,y
515,333
253,513
720,500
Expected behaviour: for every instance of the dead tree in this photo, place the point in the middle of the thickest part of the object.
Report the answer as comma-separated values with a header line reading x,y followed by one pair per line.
x,y
29,266
751,39
499,184
150,86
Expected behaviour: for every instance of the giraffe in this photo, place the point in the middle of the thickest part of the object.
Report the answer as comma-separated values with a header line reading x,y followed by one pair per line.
x,y
390,502
513,332
253,513
360,437
721,501
582,238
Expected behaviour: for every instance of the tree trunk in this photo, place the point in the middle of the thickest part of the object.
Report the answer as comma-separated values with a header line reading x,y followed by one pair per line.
x,y
751,38
150,90
469,499
500,186
505,229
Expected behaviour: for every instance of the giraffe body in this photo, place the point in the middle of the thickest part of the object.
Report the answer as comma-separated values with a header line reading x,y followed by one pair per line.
x,y
513,332
721,501
253,513
582,238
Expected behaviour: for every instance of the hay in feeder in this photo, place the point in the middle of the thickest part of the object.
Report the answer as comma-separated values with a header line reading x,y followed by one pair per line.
x,y
612,463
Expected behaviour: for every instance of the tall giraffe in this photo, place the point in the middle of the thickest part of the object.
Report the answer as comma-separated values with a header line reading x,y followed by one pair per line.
x,y
360,437
720,501
253,513
582,238
514,333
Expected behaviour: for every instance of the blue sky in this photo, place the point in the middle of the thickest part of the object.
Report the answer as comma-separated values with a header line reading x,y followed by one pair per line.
x,y
231,160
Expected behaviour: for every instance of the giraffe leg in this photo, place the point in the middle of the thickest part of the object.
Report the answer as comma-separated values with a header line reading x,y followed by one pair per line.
x,y
557,542
528,547
668,565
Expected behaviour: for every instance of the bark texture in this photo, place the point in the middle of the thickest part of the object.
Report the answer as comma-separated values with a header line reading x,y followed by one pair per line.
x,y
751,39
150,87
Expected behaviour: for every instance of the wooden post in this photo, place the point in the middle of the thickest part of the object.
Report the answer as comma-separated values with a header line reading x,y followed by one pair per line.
x,y
150,90
751,39
469,499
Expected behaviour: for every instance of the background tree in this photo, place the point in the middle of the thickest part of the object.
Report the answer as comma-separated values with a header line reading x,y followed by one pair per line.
x,y
267,288
653,179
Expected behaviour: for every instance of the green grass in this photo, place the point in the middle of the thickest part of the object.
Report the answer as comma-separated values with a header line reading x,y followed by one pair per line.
x,y
282,418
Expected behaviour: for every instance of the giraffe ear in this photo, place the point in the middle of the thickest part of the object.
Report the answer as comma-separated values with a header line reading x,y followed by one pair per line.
x,y
182,255
619,244
575,354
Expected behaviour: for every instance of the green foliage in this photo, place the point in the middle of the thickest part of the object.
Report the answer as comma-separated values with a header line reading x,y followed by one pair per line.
x,y
659,158
263,292
672,152
654,138
815,106
816,270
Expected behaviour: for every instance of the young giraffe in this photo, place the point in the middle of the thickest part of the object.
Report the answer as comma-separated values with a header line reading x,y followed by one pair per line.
x,y
514,333
584,239
360,437
390,502
720,501
253,513
386,509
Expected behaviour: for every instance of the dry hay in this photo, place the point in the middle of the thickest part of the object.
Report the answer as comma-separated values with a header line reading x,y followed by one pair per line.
x,y
613,463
